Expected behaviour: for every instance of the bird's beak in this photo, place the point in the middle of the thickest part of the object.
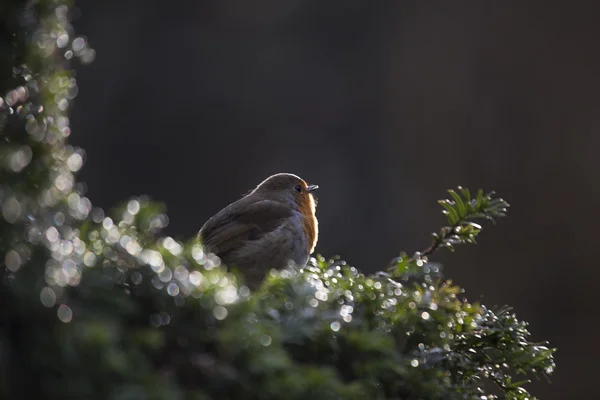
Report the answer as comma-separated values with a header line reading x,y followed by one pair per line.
x,y
312,188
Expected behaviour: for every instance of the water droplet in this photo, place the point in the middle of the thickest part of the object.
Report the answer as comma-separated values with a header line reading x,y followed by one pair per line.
x,y
11,210
20,159
97,215
165,274
12,97
198,255
335,326
321,295
63,104
414,363
59,218
181,273
12,261
52,234
89,259
227,295
64,313
165,318
62,40
82,208
136,278
48,297
74,162
212,261
346,309
64,182
170,244
195,278
78,44
88,56
265,340
220,312
157,283
172,288
133,207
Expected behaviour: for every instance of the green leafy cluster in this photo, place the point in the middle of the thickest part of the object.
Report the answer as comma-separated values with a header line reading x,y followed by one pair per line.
x,y
461,210
104,306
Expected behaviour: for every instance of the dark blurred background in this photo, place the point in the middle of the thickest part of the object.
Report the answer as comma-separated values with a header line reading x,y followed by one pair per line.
x,y
385,105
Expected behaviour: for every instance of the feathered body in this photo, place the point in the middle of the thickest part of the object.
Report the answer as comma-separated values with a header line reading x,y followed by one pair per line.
x,y
273,224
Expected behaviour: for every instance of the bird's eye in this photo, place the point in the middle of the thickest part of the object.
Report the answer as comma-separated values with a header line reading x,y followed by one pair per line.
x,y
298,188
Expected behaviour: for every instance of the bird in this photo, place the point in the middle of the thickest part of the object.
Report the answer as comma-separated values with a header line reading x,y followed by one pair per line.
x,y
273,226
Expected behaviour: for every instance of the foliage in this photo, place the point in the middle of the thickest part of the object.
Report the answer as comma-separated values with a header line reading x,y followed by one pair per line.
x,y
105,307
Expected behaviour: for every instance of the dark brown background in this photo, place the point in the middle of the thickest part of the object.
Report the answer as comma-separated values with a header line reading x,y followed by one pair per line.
x,y
384,104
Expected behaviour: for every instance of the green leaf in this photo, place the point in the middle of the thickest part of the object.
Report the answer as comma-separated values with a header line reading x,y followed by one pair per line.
x,y
451,213
466,194
460,205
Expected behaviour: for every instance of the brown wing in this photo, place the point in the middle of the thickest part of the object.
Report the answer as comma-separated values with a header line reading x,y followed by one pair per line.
x,y
240,222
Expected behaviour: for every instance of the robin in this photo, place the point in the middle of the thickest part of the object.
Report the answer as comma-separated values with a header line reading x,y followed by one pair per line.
x,y
271,227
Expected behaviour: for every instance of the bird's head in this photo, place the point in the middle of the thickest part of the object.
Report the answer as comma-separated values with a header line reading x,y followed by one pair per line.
x,y
290,189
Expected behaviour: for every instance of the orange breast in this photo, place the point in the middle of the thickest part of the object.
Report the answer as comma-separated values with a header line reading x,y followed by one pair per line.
x,y
310,223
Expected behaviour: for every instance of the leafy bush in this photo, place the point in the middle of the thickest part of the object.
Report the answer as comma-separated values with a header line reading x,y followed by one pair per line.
x,y
104,307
